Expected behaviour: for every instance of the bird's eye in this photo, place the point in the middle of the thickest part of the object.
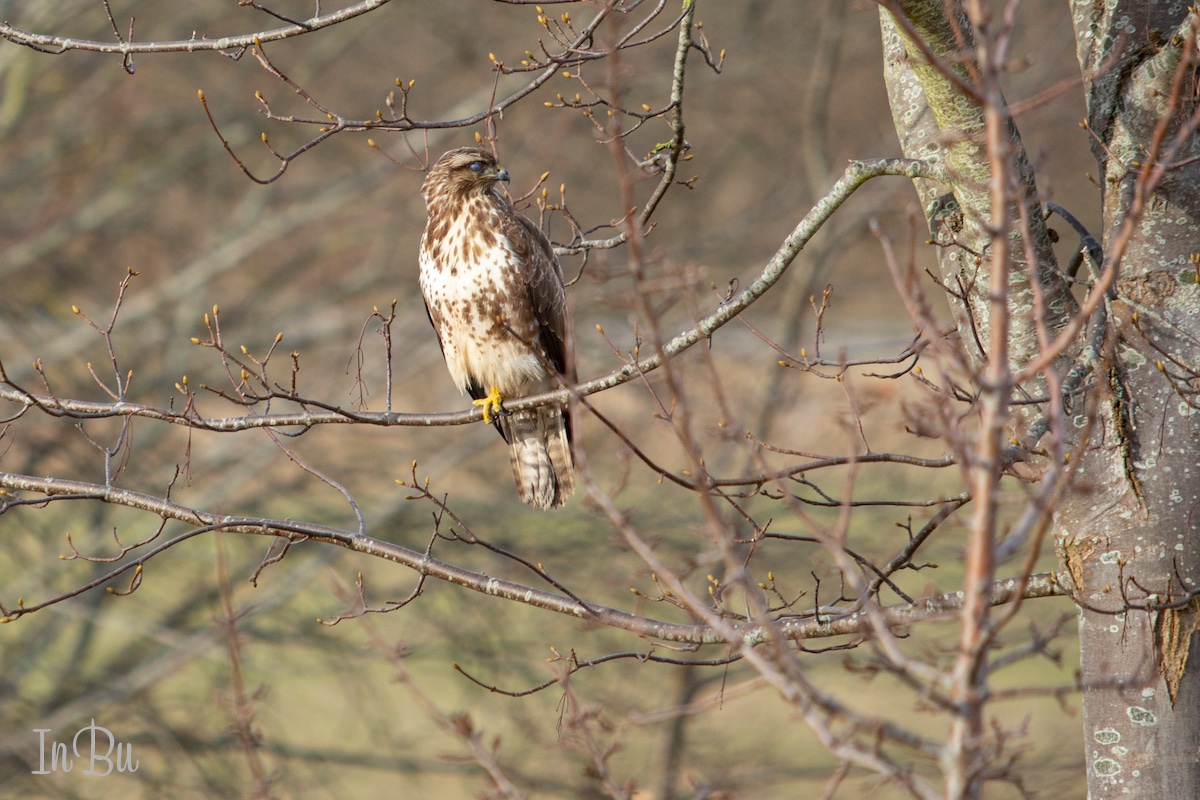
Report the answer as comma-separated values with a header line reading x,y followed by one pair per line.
x,y
476,166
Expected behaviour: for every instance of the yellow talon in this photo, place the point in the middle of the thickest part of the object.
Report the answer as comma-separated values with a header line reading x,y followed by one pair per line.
x,y
490,404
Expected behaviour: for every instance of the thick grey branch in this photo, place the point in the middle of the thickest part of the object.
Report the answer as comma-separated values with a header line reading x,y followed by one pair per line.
x,y
796,628
48,43
856,174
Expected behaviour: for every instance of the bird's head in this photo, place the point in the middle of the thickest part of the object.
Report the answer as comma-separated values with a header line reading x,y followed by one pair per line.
x,y
465,171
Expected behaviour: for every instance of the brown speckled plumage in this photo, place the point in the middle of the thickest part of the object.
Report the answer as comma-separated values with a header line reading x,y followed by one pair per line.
x,y
494,291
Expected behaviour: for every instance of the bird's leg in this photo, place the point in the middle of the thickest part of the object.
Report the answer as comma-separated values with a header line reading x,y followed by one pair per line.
x,y
491,404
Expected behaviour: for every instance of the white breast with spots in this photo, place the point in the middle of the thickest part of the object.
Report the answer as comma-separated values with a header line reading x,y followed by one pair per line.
x,y
467,294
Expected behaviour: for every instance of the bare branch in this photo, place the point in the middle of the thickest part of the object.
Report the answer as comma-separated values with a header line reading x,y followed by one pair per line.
x,y
237,44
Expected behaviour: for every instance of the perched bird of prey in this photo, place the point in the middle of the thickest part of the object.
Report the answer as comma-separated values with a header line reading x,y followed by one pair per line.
x,y
494,292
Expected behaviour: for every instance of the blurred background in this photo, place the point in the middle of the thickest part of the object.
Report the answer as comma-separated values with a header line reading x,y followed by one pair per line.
x,y
103,172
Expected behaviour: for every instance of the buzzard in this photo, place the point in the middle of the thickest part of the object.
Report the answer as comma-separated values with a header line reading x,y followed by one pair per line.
x,y
494,292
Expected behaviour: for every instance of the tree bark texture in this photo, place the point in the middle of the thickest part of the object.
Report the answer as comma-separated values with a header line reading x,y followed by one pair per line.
x,y
1128,532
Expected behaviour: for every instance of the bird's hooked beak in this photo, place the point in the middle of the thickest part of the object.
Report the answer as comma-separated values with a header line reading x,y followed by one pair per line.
x,y
501,175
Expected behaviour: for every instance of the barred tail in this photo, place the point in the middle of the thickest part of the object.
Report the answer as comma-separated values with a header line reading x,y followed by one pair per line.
x,y
540,448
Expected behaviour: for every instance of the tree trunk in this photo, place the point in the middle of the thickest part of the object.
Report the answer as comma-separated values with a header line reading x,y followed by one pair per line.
x,y
1130,532
1129,529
